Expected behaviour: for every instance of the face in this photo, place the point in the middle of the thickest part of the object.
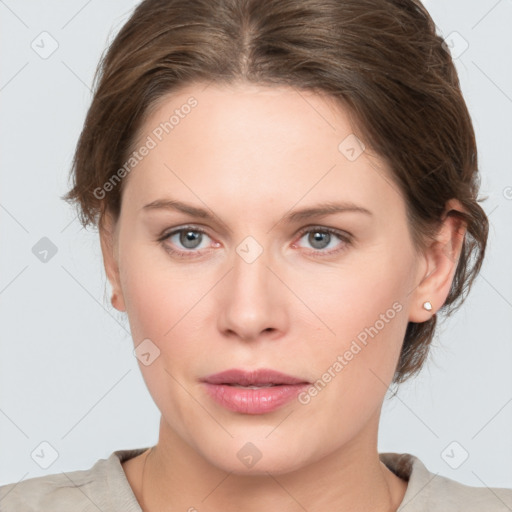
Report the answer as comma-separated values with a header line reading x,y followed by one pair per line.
x,y
234,277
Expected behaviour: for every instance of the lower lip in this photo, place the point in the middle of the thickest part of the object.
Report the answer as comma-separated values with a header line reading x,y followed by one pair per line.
x,y
253,401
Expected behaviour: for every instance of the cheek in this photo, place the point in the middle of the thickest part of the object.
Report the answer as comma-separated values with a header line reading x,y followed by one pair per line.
x,y
156,299
353,370
366,310
366,347
368,295
160,307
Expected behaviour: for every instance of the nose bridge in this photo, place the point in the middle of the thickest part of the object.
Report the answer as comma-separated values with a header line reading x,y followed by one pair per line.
x,y
252,301
250,276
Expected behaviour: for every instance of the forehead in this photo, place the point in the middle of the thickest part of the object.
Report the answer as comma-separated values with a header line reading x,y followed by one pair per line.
x,y
243,115
248,143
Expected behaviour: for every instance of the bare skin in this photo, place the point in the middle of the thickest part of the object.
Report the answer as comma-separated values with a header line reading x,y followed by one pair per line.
x,y
251,155
388,489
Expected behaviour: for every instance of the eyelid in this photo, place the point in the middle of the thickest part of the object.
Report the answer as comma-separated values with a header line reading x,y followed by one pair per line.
x,y
317,227
168,233
344,236
172,231
182,253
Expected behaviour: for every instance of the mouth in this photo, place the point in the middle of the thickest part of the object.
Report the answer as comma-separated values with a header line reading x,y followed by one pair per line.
x,y
261,378
253,392
253,387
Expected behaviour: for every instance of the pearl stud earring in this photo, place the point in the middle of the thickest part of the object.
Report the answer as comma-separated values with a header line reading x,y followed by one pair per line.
x,y
427,305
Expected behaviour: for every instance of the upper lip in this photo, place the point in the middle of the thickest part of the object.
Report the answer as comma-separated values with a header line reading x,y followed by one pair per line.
x,y
257,377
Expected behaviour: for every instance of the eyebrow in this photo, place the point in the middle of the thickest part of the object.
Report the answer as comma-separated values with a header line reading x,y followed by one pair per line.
x,y
322,209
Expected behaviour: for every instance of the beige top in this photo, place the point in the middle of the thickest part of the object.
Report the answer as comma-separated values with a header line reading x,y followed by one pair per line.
x,y
104,488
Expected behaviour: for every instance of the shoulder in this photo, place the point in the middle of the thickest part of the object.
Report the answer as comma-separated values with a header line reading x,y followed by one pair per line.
x,y
101,487
428,491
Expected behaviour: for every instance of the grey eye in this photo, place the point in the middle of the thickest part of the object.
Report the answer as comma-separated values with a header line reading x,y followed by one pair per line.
x,y
319,239
189,238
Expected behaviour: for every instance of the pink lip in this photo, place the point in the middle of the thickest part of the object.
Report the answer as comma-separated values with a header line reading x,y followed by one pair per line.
x,y
222,388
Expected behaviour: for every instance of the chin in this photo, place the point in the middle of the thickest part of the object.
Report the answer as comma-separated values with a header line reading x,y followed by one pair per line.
x,y
257,457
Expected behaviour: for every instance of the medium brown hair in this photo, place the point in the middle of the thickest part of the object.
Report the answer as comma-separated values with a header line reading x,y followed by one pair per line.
x,y
380,59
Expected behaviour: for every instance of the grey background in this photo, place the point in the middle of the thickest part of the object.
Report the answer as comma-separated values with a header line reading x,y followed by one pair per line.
x,y
68,376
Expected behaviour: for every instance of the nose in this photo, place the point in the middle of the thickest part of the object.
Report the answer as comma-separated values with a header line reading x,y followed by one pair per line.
x,y
252,300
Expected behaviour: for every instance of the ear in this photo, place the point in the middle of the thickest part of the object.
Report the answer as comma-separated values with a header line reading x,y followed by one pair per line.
x,y
441,259
108,241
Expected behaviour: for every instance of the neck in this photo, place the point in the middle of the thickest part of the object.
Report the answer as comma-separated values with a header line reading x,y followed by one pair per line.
x,y
352,478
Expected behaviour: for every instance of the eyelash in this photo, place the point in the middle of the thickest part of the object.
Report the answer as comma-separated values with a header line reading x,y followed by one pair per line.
x,y
344,237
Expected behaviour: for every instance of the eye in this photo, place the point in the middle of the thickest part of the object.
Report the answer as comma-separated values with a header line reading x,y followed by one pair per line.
x,y
320,238
188,238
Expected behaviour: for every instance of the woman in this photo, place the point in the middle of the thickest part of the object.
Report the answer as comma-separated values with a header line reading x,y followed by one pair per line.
x,y
286,196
